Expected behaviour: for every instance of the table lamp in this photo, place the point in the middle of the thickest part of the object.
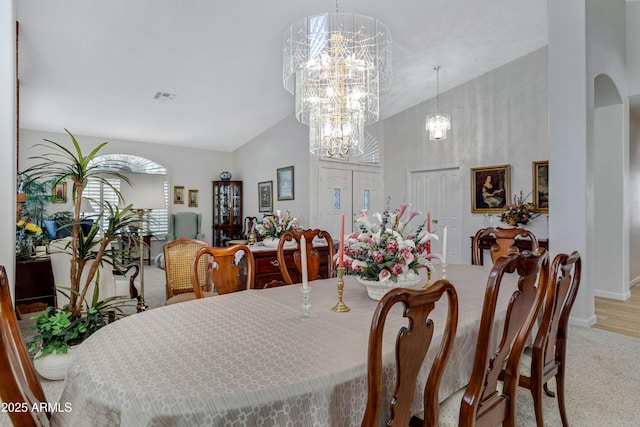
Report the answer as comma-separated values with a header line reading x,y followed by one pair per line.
x,y
145,194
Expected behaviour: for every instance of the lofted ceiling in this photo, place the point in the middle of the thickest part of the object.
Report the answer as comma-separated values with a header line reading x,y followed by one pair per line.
x,y
94,66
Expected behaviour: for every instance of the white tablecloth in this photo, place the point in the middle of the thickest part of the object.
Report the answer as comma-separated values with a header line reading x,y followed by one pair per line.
x,y
243,359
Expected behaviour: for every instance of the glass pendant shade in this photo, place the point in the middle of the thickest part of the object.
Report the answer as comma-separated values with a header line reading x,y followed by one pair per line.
x,y
437,125
336,64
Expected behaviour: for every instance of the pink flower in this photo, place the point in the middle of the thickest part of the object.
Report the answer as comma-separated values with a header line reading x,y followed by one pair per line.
x,y
377,256
396,269
403,207
384,275
392,246
407,255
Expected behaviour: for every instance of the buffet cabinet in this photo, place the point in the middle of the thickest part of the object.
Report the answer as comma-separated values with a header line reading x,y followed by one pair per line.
x,y
227,211
35,287
267,269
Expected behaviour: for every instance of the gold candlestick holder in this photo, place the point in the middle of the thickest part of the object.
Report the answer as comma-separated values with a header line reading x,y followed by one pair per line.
x,y
340,307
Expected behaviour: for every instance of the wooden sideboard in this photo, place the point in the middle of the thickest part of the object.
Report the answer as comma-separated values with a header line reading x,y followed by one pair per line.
x,y
267,274
521,244
35,287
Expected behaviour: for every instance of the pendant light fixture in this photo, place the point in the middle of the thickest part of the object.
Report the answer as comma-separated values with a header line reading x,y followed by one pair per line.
x,y
438,124
335,64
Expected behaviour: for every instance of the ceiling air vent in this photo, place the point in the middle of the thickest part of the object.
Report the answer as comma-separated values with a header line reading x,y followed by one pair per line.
x,y
164,96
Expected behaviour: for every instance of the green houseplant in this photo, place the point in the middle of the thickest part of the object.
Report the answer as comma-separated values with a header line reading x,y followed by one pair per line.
x,y
58,328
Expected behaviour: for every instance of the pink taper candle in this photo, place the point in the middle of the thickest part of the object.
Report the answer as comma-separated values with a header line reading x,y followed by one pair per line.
x,y
341,249
428,231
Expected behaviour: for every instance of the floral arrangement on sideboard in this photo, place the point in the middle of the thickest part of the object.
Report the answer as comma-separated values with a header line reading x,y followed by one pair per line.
x,y
384,248
274,226
520,212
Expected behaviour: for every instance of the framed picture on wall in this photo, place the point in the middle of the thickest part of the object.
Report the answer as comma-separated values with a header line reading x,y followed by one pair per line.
x,y
178,195
59,193
193,198
285,183
540,189
265,196
490,188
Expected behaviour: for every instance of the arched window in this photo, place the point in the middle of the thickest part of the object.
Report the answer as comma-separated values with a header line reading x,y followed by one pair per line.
x,y
158,224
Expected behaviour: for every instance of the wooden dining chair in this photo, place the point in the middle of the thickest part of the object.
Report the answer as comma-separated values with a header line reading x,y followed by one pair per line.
x,y
486,401
20,386
232,269
178,259
313,258
546,358
412,344
505,239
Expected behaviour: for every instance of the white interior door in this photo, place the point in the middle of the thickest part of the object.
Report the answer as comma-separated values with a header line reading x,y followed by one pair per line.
x,y
438,192
335,199
346,191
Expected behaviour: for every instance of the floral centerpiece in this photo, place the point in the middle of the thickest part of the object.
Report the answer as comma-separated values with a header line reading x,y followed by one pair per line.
x,y
27,234
385,250
276,225
520,212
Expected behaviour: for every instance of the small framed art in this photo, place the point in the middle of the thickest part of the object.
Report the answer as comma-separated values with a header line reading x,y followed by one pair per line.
x,y
193,198
265,196
540,189
59,193
178,195
490,188
285,183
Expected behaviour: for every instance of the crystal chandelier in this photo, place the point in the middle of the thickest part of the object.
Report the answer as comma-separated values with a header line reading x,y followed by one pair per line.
x,y
438,124
335,64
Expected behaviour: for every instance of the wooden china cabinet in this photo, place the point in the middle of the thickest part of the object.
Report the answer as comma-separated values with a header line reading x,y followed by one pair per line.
x,y
227,211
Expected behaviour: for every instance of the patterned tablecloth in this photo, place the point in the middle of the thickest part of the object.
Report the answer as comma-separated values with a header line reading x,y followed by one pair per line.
x,y
243,359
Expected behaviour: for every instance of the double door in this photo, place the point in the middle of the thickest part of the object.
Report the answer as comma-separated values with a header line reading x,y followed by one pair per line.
x,y
347,191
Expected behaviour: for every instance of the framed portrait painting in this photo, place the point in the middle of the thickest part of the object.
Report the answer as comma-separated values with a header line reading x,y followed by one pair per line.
x,y
285,183
540,189
265,196
59,193
178,195
193,198
490,188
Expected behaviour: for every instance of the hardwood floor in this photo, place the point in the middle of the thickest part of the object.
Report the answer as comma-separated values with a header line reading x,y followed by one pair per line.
x,y
622,317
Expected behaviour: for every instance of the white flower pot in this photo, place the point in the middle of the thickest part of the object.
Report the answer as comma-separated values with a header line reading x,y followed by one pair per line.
x,y
376,290
54,366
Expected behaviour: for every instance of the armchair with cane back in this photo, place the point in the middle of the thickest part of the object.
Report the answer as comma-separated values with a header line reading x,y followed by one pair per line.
x,y
178,258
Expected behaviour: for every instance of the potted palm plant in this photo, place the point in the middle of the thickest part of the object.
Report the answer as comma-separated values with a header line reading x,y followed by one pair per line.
x,y
58,328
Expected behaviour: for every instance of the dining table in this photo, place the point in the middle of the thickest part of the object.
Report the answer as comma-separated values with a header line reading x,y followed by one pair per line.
x,y
245,358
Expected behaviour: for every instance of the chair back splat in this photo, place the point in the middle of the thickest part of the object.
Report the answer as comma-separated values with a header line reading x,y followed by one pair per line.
x,y
483,402
412,345
546,358
20,384
232,269
505,239
313,258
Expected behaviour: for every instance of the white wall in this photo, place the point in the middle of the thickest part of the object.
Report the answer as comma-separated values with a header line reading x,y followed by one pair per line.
x,y
634,198
285,144
8,138
188,167
497,118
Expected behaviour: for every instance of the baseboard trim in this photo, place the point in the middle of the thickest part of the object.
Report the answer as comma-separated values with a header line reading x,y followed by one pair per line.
x,y
613,295
584,322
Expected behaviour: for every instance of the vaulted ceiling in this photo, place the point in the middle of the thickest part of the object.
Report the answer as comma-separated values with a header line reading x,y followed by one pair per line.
x,y
94,66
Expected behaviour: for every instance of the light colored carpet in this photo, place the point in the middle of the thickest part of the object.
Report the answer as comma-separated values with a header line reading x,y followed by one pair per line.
x,y
602,375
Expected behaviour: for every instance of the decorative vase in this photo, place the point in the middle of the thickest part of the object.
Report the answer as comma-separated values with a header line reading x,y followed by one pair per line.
x,y
54,366
225,176
376,289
